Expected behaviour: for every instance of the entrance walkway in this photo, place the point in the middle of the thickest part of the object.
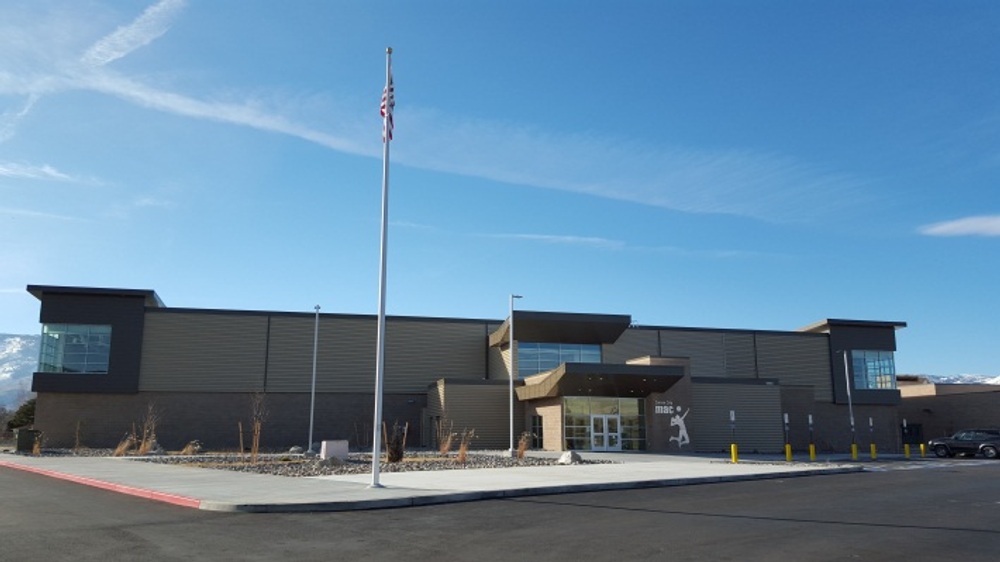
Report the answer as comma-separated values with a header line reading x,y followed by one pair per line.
x,y
225,490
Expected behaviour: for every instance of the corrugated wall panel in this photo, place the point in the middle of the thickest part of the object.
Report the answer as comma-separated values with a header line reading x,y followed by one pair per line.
x,y
740,359
705,348
796,359
635,342
203,352
345,359
483,408
419,352
759,425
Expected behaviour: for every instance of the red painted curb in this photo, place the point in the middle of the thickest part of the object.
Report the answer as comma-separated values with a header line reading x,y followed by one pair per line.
x,y
164,497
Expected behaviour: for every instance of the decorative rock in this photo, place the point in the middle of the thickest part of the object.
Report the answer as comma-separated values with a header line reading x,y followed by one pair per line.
x,y
570,457
329,462
296,450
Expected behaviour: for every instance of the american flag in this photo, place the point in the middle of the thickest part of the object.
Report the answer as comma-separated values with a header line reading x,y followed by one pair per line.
x,y
388,103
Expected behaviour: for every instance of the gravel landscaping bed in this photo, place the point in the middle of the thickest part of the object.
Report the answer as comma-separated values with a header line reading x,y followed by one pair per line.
x,y
298,465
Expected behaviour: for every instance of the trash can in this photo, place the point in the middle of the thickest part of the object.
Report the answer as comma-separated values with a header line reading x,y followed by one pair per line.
x,y
26,439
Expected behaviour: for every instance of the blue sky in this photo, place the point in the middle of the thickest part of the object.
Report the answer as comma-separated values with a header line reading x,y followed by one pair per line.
x,y
719,164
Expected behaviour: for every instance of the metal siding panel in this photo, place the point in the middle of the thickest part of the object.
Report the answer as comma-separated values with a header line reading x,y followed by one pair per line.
x,y
796,359
289,358
758,417
633,343
740,355
419,352
705,348
192,352
483,408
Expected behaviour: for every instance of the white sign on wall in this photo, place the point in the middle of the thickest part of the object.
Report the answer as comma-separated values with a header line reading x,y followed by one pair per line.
x,y
677,415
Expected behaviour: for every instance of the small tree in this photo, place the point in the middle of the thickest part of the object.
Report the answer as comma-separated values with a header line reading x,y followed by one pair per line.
x,y
258,414
5,416
23,417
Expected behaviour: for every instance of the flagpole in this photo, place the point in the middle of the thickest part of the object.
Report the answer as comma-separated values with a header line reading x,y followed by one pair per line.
x,y
387,101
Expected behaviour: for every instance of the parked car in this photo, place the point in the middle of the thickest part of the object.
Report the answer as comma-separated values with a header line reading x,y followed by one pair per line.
x,y
968,442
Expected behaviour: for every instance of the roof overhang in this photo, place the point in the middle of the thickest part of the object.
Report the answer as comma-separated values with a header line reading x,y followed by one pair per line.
x,y
824,326
562,327
151,298
601,379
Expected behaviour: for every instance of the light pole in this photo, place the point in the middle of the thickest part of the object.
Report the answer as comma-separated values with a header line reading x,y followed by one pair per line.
x,y
513,370
850,408
312,396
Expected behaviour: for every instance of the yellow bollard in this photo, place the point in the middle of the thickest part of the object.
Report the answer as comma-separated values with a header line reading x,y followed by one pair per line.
x,y
812,452
906,451
874,454
788,452
733,455
923,450
854,451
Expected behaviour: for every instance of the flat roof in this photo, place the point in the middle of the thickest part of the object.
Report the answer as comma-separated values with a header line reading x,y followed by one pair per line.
x,y
151,298
824,326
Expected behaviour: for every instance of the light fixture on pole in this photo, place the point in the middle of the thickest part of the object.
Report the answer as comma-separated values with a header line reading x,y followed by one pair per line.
x,y
850,405
513,369
312,395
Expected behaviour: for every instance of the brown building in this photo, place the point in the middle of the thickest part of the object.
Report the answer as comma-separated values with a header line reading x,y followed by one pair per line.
x,y
581,381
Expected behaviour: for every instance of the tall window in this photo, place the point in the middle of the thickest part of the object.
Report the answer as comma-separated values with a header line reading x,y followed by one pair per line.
x,y
534,358
75,348
874,369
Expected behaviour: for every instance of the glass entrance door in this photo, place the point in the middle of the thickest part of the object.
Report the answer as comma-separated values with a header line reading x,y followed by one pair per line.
x,y
605,433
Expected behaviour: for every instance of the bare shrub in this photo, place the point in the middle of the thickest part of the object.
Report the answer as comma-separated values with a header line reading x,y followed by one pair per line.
x,y
523,442
149,422
126,444
463,447
395,444
445,437
192,448
36,447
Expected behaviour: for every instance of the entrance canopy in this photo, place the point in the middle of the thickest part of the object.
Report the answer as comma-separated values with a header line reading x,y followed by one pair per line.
x,y
601,379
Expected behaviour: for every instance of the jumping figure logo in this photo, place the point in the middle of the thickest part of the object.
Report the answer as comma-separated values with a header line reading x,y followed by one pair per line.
x,y
682,434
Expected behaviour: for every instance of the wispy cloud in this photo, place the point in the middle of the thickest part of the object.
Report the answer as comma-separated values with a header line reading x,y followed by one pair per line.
x,y
986,225
591,241
10,119
36,214
749,183
24,171
153,202
153,23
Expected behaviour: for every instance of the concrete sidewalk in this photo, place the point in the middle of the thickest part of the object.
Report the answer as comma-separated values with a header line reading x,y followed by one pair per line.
x,y
226,490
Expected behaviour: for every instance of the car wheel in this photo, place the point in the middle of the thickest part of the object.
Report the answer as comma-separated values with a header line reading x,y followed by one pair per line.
x,y
990,452
941,451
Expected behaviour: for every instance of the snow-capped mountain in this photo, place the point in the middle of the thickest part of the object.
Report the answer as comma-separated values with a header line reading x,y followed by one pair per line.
x,y
18,360
963,379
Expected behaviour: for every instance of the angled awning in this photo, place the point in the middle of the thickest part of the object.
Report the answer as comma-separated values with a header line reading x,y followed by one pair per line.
x,y
562,327
601,379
